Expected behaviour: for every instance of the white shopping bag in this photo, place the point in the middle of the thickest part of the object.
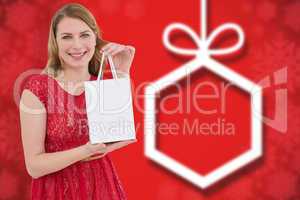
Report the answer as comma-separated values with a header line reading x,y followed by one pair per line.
x,y
109,108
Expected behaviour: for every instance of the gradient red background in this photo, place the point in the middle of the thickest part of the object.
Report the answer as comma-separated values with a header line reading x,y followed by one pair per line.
x,y
272,43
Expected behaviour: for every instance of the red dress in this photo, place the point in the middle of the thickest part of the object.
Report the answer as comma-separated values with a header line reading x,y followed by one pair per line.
x,y
67,128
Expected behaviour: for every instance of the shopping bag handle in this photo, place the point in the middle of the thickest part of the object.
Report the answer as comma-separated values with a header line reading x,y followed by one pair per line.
x,y
112,66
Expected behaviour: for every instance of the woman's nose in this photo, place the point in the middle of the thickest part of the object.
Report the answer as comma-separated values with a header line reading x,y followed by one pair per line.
x,y
77,43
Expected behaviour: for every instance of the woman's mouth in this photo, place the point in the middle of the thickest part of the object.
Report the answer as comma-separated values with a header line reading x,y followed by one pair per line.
x,y
77,55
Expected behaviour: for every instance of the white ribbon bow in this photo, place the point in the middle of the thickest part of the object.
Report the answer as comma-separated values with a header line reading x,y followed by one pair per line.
x,y
203,44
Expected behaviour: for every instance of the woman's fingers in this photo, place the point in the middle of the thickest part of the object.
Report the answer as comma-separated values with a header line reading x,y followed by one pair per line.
x,y
109,47
93,158
131,49
96,156
114,48
108,148
95,148
116,145
117,50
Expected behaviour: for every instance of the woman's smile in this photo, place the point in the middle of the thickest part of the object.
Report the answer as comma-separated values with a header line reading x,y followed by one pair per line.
x,y
77,55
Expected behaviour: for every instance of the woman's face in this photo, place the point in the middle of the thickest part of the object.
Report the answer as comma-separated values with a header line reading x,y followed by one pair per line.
x,y
76,42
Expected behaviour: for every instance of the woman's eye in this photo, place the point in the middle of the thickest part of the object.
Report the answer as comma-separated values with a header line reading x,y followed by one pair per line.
x,y
66,37
85,35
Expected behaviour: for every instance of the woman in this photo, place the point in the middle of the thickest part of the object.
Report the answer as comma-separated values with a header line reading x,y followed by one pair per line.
x,y
58,155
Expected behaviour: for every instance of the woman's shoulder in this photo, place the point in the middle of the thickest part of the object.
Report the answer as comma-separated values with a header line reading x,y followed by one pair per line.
x,y
38,85
36,81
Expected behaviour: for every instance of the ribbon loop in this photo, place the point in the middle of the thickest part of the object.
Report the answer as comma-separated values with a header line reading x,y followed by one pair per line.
x,y
221,29
202,45
187,30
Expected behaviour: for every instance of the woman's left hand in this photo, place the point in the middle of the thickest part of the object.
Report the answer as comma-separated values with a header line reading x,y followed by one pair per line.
x,y
110,147
95,156
122,55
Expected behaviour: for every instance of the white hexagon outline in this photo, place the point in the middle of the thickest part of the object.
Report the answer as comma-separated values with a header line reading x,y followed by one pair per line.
x,y
203,181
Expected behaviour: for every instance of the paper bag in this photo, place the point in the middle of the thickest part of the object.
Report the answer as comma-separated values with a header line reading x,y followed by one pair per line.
x,y
109,108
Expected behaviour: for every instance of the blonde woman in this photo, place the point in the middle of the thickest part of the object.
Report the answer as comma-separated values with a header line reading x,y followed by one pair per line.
x,y
58,155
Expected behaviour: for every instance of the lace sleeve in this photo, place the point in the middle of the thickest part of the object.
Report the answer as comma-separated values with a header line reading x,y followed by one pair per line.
x,y
37,85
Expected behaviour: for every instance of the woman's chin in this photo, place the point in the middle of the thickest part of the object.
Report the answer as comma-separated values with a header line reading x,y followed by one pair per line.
x,y
77,65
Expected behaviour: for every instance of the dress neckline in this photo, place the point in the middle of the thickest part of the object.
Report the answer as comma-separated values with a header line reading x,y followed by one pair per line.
x,y
65,91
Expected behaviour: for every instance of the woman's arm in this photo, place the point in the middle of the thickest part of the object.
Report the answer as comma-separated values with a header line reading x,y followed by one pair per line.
x,y
33,130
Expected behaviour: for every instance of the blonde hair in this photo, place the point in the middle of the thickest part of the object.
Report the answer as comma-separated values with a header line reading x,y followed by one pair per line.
x,y
73,10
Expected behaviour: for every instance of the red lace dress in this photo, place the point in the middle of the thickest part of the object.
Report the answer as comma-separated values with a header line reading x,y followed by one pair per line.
x,y
67,128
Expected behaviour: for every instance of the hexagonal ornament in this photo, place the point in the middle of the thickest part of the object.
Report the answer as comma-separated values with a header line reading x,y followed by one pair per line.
x,y
175,166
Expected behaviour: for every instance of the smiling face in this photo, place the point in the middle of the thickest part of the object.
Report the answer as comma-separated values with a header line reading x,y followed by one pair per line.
x,y
76,42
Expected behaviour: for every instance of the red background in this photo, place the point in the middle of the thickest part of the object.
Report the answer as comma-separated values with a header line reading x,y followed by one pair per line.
x,y
272,43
